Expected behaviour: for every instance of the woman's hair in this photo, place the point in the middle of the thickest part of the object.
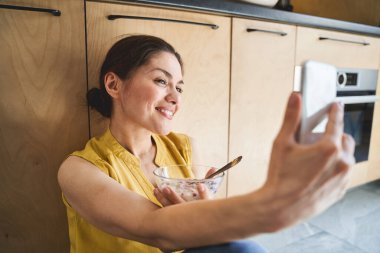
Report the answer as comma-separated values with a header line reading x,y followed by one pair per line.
x,y
124,57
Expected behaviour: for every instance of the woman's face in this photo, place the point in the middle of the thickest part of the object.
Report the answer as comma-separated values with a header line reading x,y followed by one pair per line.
x,y
152,95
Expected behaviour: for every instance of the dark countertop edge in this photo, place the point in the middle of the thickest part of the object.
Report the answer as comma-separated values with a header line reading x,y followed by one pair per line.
x,y
241,9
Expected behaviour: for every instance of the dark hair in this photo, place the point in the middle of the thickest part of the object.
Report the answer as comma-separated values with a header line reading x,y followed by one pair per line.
x,y
124,57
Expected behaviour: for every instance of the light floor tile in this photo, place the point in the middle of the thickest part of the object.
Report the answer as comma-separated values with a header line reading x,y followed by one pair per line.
x,y
367,235
351,225
341,219
280,239
320,243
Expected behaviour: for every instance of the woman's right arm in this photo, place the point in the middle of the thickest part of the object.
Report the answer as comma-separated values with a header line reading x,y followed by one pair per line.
x,y
302,181
109,206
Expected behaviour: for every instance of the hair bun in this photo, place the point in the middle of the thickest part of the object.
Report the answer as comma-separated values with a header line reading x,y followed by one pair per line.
x,y
98,100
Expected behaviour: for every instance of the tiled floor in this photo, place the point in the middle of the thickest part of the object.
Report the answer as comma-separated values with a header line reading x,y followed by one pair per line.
x,y
350,226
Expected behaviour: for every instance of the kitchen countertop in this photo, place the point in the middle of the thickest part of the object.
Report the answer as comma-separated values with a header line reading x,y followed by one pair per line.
x,y
246,10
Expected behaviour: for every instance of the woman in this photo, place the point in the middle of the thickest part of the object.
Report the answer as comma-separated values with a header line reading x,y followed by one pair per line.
x,y
108,187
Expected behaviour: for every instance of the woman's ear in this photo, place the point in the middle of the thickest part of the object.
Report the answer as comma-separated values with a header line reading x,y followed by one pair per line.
x,y
112,84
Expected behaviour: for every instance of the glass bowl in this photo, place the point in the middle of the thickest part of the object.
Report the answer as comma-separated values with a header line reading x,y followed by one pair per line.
x,y
170,176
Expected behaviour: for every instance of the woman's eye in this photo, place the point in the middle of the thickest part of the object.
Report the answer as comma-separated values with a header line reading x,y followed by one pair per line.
x,y
161,82
179,89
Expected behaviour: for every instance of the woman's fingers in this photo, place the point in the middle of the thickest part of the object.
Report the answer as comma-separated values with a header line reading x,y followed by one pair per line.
x,y
292,117
172,196
330,147
160,197
210,171
334,127
348,144
167,196
203,191
341,162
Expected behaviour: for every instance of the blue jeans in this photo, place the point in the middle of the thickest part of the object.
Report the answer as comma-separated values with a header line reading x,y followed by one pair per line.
x,y
244,246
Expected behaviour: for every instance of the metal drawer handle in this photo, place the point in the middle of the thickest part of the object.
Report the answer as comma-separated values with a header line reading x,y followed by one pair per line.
x,y
266,31
24,8
113,17
346,41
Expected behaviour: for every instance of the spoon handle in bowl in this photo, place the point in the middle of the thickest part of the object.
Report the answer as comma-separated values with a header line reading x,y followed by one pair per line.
x,y
225,167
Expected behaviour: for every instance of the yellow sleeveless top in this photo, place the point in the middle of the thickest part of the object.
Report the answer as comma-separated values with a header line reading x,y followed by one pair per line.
x,y
116,162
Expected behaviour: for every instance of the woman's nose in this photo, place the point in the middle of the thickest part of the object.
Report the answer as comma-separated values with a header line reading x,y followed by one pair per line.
x,y
173,96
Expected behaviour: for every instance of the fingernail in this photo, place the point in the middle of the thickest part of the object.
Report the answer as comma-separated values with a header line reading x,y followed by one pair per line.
x,y
201,188
341,105
292,99
167,190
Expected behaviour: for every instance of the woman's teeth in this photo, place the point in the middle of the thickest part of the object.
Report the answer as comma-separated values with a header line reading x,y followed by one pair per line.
x,y
167,112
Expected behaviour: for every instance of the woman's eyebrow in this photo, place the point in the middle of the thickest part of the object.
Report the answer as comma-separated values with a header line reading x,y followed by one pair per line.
x,y
167,74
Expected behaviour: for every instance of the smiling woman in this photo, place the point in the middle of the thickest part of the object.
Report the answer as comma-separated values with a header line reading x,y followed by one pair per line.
x,y
113,203
140,91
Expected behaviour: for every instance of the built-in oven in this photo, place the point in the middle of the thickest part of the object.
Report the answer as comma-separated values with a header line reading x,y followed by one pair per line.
x,y
356,88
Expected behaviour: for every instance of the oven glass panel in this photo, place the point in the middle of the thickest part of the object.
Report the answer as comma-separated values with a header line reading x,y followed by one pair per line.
x,y
358,123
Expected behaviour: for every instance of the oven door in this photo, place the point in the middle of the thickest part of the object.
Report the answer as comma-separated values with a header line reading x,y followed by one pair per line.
x,y
358,118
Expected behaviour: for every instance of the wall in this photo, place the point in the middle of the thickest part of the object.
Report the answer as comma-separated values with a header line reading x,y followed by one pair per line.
x,y
363,11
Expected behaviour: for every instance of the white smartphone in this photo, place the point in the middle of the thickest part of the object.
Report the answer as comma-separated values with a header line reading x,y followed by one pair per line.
x,y
318,90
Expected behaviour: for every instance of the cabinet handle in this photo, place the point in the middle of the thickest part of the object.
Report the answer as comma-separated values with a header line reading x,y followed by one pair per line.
x,y
113,17
346,41
24,8
266,31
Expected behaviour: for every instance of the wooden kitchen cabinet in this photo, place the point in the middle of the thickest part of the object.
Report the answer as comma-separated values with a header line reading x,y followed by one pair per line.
x,y
373,169
236,88
206,55
43,119
261,81
346,53
346,50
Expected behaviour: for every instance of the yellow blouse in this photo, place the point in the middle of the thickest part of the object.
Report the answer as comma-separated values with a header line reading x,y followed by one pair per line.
x,y
115,161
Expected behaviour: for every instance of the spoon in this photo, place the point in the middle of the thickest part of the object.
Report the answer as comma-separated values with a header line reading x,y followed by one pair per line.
x,y
225,167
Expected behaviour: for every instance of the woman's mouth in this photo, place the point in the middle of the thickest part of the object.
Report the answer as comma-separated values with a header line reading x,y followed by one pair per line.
x,y
165,112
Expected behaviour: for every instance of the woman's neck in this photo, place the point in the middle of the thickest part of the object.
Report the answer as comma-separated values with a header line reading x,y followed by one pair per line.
x,y
136,140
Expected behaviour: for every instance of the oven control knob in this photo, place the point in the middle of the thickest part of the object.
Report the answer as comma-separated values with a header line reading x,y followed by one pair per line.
x,y
341,79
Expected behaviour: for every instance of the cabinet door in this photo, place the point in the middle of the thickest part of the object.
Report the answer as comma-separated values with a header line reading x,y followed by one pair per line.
x,y
206,55
262,77
346,51
374,150
43,119
340,49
